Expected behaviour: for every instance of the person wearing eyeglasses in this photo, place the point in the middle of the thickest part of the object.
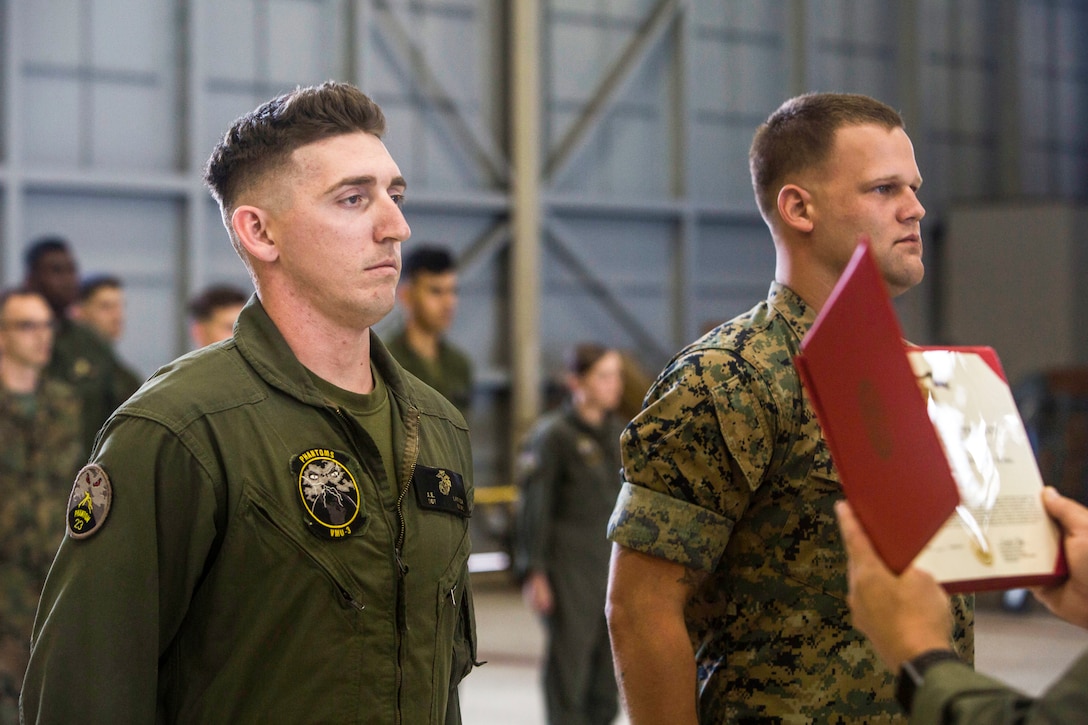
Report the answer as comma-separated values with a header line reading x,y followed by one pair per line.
x,y
40,452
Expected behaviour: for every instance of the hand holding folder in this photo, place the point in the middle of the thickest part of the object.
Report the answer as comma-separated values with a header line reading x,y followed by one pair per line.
x,y
929,446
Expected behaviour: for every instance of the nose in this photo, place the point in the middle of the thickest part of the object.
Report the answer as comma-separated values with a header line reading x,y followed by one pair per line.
x,y
392,226
913,210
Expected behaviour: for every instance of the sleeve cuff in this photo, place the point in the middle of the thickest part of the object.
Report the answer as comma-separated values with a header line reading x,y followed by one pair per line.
x,y
657,524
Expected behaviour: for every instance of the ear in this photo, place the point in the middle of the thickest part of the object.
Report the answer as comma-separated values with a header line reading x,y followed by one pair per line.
x,y
795,207
250,224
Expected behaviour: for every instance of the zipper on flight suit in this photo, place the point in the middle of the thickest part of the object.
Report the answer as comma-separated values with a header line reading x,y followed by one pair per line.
x,y
411,454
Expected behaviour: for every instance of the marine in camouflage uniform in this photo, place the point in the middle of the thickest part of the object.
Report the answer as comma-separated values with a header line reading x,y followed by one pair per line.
x,y
727,472
40,452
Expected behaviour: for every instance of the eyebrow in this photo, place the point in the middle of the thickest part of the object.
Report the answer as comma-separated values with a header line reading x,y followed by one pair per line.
x,y
365,180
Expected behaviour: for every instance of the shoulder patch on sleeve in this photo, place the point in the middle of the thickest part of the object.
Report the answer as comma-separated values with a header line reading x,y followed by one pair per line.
x,y
90,501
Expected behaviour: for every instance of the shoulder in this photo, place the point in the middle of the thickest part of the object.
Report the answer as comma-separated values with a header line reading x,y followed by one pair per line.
x,y
201,383
756,348
551,425
455,357
53,389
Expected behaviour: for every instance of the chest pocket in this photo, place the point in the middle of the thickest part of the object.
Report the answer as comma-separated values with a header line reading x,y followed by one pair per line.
x,y
279,526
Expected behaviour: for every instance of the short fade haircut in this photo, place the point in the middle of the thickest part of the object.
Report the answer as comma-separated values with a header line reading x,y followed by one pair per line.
x,y
427,258
41,247
204,306
799,135
261,142
92,284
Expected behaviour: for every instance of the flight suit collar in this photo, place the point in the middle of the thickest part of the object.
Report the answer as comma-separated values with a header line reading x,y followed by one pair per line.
x,y
263,346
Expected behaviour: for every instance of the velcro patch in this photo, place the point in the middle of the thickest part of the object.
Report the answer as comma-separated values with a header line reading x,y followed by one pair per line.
x,y
440,489
328,492
90,501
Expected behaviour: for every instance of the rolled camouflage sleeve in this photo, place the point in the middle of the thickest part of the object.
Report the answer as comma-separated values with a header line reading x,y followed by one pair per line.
x,y
691,459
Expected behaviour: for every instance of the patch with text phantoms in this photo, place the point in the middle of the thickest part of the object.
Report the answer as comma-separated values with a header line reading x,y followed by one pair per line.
x,y
328,492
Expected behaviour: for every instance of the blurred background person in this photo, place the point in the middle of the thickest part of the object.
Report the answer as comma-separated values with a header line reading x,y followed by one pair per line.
x,y
569,476
212,313
428,299
40,451
101,307
80,356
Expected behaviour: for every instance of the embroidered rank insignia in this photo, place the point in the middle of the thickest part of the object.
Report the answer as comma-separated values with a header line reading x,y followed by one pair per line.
x,y
89,503
440,489
328,492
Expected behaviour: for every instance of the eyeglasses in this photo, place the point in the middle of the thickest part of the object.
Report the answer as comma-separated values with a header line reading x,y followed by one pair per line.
x,y
31,325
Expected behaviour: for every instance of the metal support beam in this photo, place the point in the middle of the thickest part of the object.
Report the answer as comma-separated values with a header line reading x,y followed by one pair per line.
x,y
798,46
526,219
563,245
684,268
615,80
908,65
1009,142
435,96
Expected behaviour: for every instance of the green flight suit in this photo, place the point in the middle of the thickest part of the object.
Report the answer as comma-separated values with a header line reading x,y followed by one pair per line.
x,y
217,590
954,693
569,475
89,364
449,374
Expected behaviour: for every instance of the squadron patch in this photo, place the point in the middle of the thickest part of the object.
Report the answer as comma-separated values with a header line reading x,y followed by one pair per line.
x,y
440,489
89,503
328,492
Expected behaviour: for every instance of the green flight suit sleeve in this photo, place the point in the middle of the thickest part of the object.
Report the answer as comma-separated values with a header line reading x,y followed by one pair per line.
x,y
113,601
954,693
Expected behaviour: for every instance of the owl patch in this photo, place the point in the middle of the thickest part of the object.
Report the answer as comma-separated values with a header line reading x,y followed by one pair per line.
x,y
328,492
89,503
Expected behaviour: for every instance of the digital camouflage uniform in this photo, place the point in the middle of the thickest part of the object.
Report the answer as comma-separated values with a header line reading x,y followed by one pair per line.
x,y
450,373
953,693
569,477
727,472
39,456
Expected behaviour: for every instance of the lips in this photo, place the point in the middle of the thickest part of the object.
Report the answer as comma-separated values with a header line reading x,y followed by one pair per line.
x,y
387,264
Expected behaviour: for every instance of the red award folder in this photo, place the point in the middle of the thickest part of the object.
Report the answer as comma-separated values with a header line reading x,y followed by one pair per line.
x,y
929,447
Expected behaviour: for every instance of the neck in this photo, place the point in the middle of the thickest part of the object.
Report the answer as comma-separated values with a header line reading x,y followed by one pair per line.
x,y
592,414
337,354
18,378
423,342
805,277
